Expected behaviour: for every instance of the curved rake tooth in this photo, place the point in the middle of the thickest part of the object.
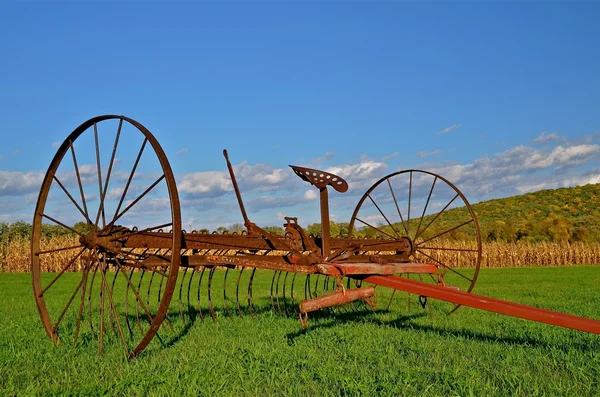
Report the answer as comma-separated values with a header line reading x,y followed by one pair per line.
x,y
81,304
237,292
250,298
90,298
277,293
225,302
316,286
103,273
199,290
112,313
210,304
287,309
292,294
162,273
189,289
137,301
127,305
272,285
180,292
307,294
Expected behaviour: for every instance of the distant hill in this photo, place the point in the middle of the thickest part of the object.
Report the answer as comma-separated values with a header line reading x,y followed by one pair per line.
x,y
565,214
559,215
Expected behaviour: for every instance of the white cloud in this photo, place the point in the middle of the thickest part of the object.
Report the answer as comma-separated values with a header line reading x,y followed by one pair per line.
x,y
56,144
209,183
182,151
310,194
546,137
449,129
14,183
429,154
325,157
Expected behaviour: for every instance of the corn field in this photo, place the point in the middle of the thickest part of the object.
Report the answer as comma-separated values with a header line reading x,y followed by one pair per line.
x,y
15,254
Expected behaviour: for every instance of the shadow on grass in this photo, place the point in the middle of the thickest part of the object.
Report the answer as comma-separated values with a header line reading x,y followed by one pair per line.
x,y
407,322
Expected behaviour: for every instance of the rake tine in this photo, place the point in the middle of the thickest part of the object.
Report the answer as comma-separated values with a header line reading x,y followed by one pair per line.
x,y
316,286
225,302
111,314
307,287
102,272
292,294
190,314
90,299
277,293
81,304
287,309
210,304
127,306
180,291
162,279
409,295
391,299
237,292
272,284
199,290
137,301
250,299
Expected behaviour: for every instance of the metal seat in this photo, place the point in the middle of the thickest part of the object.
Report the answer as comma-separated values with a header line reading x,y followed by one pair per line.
x,y
321,179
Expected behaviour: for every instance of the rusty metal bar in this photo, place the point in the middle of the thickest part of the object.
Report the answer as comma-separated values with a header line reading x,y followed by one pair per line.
x,y
335,299
237,189
163,240
346,269
325,237
489,304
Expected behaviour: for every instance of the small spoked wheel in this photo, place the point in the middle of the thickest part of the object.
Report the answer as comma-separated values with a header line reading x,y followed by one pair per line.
x,y
437,219
109,181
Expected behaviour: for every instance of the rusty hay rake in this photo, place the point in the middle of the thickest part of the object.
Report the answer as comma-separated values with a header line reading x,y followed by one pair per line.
x,y
132,273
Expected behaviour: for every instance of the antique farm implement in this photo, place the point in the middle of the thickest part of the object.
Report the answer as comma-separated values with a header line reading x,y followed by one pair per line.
x,y
126,257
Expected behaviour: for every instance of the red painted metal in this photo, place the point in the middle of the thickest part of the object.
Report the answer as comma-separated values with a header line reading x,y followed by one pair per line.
x,y
489,304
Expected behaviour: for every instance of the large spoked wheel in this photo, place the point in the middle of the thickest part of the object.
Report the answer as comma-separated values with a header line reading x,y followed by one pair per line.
x,y
435,216
109,180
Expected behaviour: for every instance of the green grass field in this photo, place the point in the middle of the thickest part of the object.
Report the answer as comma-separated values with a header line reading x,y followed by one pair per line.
x,y
373,353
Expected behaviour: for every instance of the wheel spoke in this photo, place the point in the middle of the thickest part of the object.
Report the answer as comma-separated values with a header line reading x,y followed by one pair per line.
x,y
79,181
447,249
114,311
397,207
82,302
140,197
137,294
409,199
72,199
437,215
384,217
447,231
58,249
99,171
68,305
426,205
446,266
64,269
137,160
376,228
62,224
108,174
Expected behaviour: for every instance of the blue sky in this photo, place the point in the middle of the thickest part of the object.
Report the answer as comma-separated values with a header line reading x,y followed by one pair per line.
x,y
502,98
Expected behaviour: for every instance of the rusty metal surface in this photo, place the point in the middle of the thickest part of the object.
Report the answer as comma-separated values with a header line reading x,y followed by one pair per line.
x,y
204,271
